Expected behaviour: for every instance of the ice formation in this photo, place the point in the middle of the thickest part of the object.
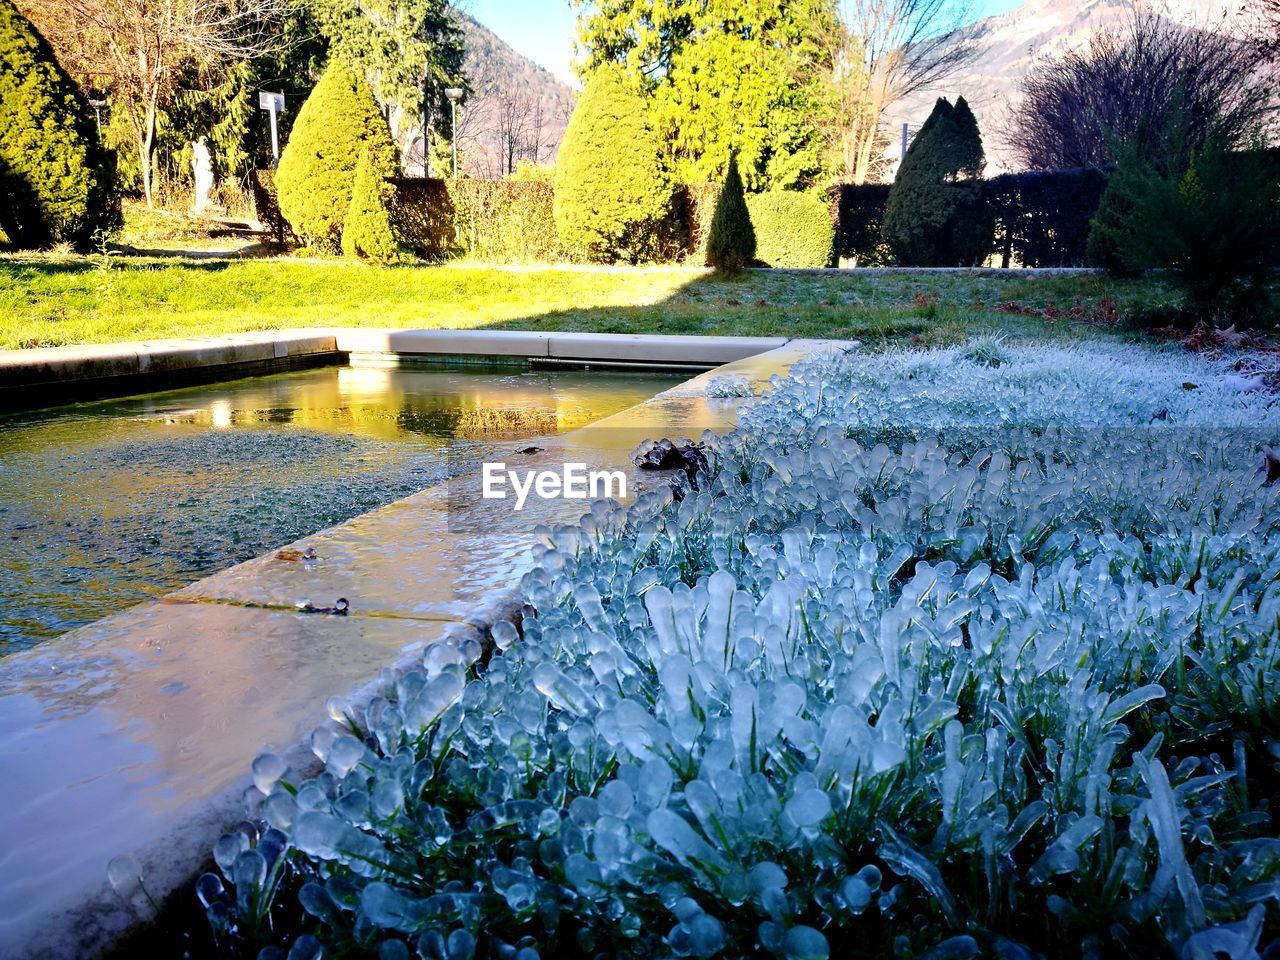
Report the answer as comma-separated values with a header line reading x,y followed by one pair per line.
x,y
860,693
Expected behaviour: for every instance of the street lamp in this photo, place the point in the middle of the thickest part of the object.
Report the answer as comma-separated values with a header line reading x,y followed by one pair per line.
x,y
97,112
454,94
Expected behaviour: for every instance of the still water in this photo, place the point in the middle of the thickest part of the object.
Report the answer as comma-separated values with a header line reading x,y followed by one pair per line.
x,y
106,504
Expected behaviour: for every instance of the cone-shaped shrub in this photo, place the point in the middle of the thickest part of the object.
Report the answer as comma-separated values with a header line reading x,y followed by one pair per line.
x,y
367,232
731,244
935,215
338,122
54,183
611,194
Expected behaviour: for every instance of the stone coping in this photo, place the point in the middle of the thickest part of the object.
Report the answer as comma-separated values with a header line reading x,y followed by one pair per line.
x,y
49,375
134,735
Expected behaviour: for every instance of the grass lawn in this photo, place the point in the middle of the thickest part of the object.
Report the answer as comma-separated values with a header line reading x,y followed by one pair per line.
x,y
53,302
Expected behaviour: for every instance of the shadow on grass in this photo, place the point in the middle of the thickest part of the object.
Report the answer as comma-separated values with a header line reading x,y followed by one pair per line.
x,y
833,305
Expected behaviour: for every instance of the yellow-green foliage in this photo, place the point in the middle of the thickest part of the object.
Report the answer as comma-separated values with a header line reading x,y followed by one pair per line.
x,y
792,229
366,233
338,122
54,185
611,194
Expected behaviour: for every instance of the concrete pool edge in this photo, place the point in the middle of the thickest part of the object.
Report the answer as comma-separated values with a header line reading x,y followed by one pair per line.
x,y
47,376
121,761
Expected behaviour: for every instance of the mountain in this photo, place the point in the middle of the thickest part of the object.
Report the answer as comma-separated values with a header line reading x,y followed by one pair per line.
x,y
516,111
1010,45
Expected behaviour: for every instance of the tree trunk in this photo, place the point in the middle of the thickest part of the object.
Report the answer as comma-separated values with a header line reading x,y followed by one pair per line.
x,y
145,146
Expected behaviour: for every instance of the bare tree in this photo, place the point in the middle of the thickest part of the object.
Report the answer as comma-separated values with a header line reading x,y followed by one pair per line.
x,y
892,49
1131,85
1267,16
141,46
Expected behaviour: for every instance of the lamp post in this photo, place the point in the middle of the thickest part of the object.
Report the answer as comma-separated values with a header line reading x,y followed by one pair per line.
x,y
97,112
454,94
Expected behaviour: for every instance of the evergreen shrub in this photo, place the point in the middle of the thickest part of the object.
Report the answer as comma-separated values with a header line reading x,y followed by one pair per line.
x,y
55,178
334,127
367,232
731,241
611,193
792,229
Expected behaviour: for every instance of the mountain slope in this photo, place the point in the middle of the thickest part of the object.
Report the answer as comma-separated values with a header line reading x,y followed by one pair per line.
x,y
1010,45
517,110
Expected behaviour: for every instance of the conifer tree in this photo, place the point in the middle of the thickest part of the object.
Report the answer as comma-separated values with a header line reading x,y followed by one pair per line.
x,y
54,182
336,125
731,243
611,194
367,232
935,215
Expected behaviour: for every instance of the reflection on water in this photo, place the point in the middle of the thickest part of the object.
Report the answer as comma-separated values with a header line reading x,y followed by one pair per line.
x,y
106,504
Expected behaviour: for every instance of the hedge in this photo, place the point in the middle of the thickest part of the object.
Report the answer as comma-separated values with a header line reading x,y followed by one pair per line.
x,y
859,217
792,229
512,221
266,205
423,217
693,209
1042,219
509,221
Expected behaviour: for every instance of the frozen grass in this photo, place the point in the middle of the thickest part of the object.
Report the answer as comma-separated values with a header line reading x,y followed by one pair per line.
x,y
848,698
55,301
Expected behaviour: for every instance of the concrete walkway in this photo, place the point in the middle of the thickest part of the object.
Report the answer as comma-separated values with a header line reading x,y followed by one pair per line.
x,y
134,735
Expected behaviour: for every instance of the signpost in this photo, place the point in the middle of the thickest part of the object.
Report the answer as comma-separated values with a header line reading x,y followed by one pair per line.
x,y
273,103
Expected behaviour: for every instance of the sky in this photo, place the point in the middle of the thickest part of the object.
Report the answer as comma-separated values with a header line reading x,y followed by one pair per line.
x,y
543,30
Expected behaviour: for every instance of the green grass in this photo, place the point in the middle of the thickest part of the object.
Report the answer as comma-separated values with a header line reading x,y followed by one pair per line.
x,y
48,302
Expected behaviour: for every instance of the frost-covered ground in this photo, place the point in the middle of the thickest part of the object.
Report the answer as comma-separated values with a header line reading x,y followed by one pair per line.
x,y
859,695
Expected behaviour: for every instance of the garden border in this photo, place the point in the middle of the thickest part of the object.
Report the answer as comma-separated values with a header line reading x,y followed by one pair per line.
x,y
47,376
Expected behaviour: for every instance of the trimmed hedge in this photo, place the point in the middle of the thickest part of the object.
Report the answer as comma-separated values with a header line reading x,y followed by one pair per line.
x,y
422,216
792,229
266,205
694,207
509,221
859,220
499,221
1042,219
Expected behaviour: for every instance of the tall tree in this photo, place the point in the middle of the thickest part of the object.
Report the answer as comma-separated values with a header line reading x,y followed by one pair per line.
x,y
904,46
935,216
611,193
724,76
410,51
143,46
1132,84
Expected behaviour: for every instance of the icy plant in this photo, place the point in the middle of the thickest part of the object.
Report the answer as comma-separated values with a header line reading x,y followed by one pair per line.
x,y
729,386
846,699
988,351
